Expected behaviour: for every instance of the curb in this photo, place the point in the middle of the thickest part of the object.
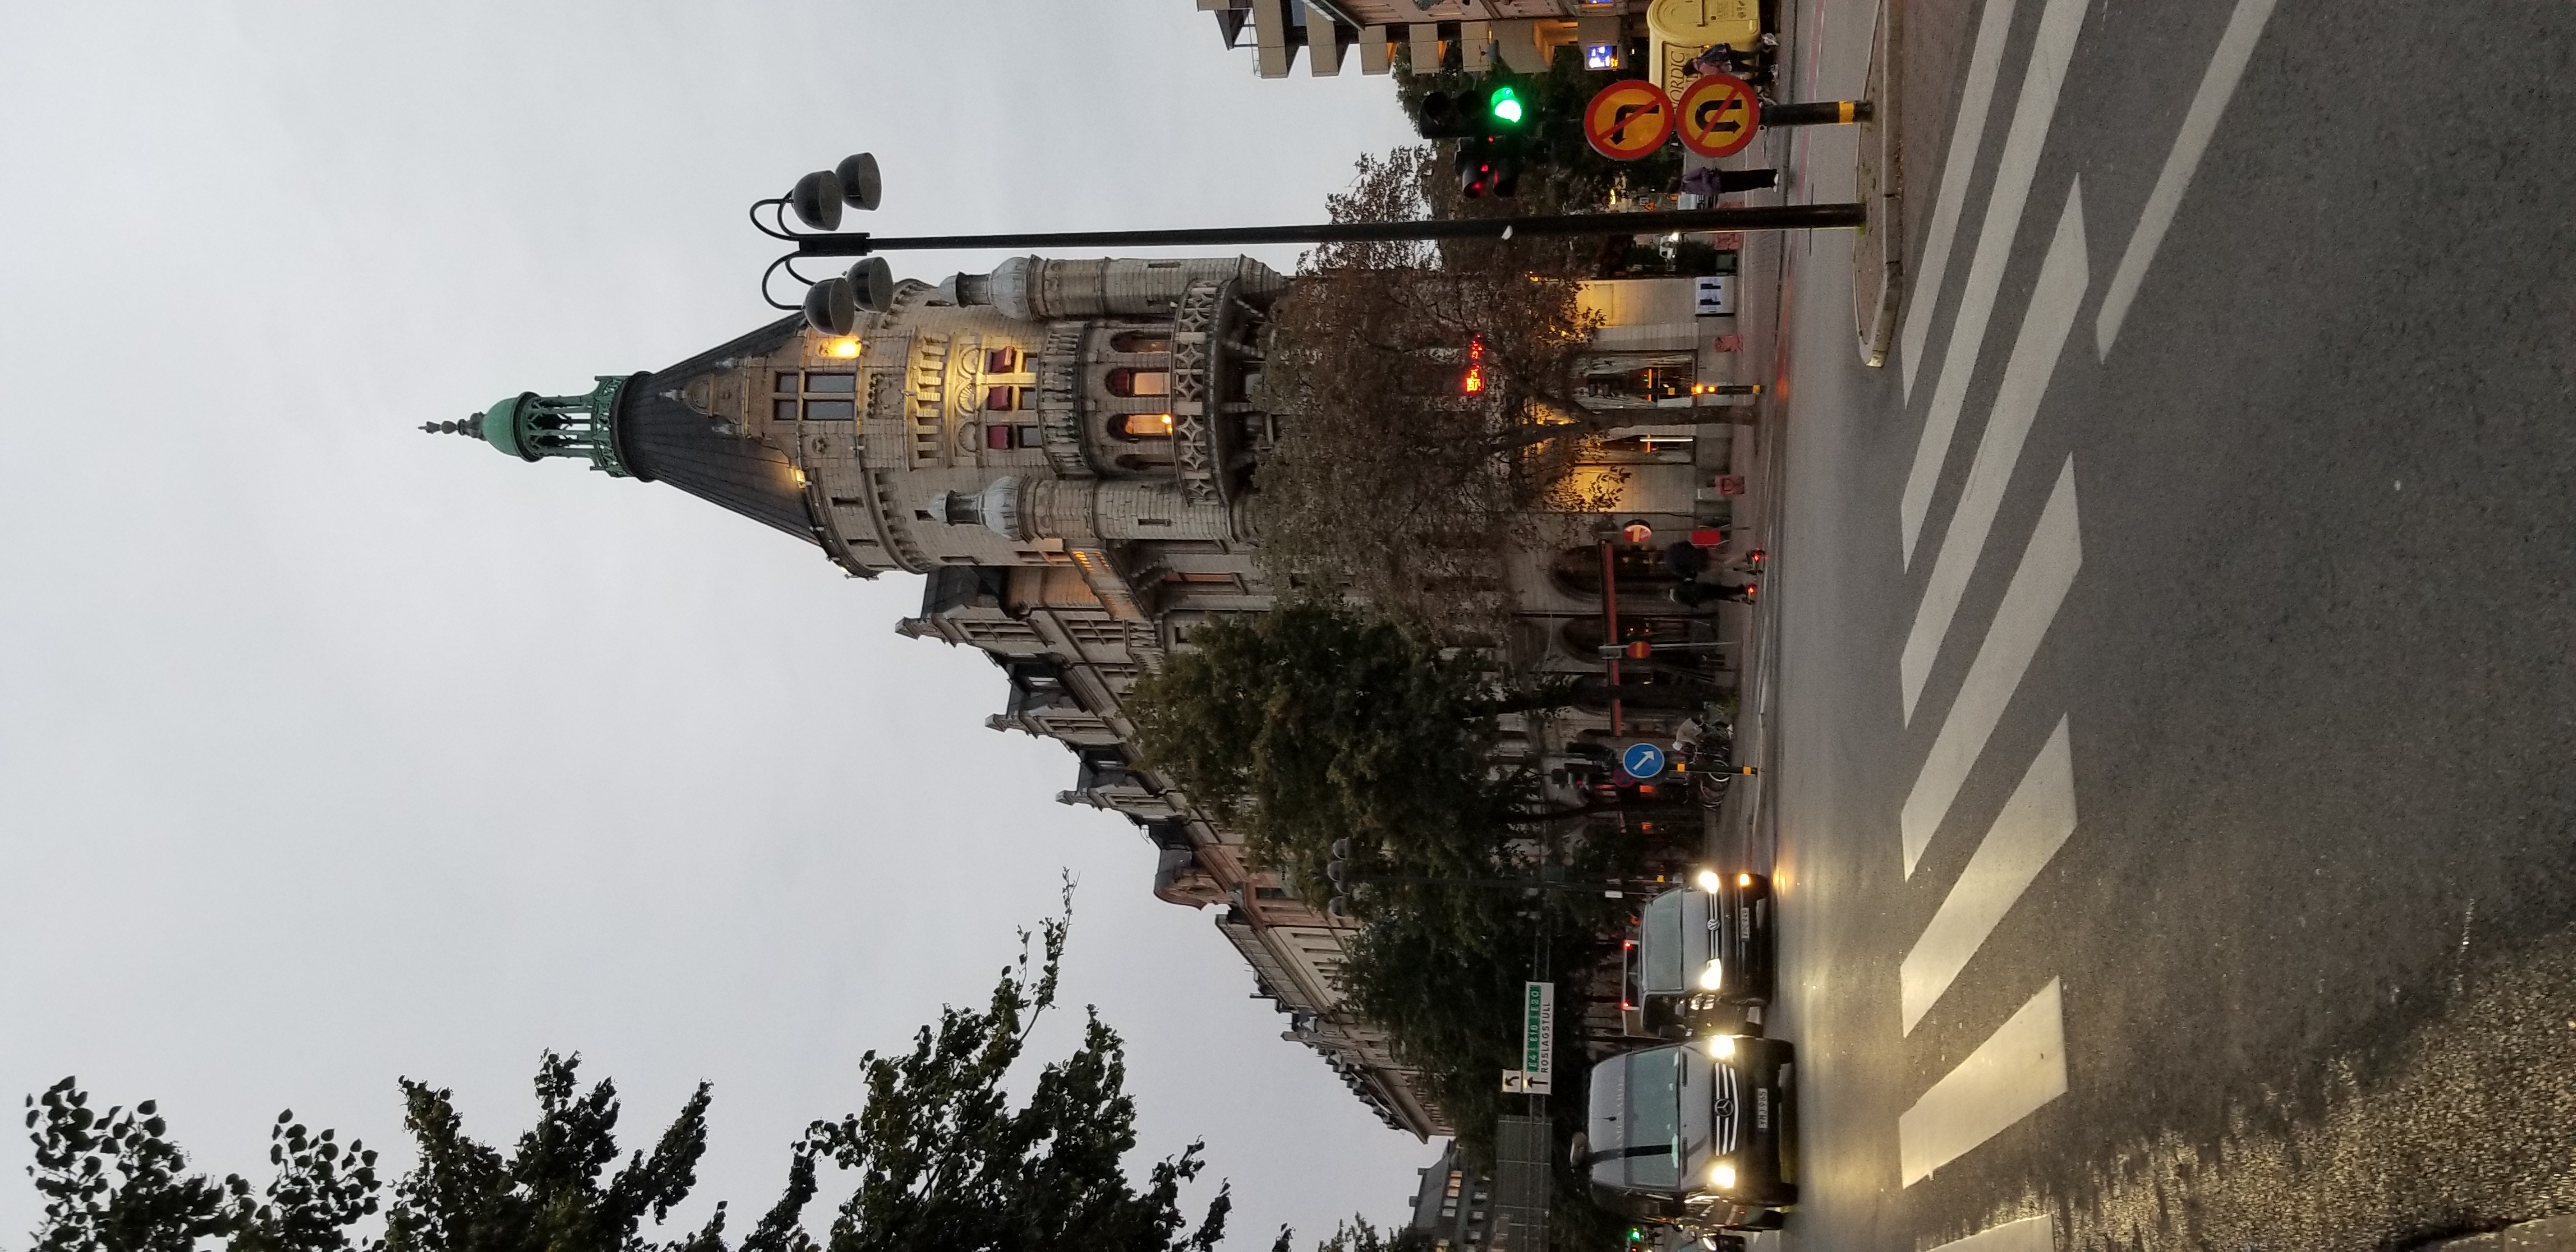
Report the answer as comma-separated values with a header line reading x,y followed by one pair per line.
x,y
2549,1234
1878,255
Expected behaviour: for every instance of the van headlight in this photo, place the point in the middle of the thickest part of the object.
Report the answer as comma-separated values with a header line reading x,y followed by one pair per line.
x,y
1712,975
1721,1176
1709,882
1721,1047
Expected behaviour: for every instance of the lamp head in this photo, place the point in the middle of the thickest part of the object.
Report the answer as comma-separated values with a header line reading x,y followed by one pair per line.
x,y
830,308
817,200
860,183
871,284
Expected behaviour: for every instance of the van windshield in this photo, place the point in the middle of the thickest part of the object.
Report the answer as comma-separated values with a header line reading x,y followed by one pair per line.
x,y
1659,942
1637,1147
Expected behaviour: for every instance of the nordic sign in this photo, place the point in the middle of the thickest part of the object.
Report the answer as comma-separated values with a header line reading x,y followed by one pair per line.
x,y
1642,760
1628,119
1537,1074
1718,114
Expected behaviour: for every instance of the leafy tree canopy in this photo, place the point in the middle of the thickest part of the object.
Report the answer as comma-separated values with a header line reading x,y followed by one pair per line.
x,y
945,1163
1315,723
115,1182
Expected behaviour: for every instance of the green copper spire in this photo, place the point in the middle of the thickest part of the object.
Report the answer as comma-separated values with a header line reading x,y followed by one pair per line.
x,y
530,426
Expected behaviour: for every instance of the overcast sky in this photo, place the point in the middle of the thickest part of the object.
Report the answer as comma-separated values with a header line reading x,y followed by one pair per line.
x,y
331,752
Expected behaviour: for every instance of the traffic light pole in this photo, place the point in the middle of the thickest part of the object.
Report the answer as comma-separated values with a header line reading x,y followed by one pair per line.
x,y
1784,217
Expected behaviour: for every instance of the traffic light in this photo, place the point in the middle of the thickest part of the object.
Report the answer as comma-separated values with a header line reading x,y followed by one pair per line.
x,y
1503,107
1489,166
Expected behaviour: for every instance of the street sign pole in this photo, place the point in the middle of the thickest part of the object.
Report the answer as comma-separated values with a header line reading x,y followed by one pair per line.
x,y
1779,217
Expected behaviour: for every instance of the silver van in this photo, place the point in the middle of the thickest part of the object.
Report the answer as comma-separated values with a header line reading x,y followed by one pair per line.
x,y
1699,1135
1697,957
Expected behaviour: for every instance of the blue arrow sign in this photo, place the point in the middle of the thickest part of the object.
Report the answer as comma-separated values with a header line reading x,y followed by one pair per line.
x,y
1642,760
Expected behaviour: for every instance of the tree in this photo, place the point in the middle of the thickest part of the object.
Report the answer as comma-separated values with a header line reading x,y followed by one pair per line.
x,y
1315,723
1355,1234
946,1165
117,1183
546,1196
1431,418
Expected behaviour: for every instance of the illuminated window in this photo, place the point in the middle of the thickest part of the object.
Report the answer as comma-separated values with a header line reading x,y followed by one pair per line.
x,y
1135,426
998,437
1130,382
1140,341
998,398
1002,361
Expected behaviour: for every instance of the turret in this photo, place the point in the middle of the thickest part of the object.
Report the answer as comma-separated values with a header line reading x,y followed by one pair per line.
x,y
532,427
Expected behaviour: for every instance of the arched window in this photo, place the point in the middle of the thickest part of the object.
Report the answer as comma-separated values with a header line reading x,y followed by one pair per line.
x,y
1133,427
1140,341
1131,382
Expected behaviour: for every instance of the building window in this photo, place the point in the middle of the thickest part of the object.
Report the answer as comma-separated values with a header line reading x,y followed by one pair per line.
x,y
1270,893
836,387
1137,426
998,438
1002,361
1029,437
1133,382
1140,341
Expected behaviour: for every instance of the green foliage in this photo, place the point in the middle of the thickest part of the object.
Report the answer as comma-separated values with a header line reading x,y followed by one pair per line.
x,y
1313,723
945,1164
1391,481
117,1183
1355,1234
546,1196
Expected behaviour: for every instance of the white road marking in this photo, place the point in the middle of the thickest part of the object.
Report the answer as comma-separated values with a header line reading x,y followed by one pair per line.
x,y
2033,825
2008,1077
2044,328
2054,46
1958,168
2030,603
2030,1234
2217,86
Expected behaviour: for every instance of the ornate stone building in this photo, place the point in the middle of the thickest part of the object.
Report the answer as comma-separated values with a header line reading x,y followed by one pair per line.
x,y
1064,450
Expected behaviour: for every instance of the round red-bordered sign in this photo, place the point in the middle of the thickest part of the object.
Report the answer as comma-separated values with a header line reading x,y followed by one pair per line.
x,y
1718,115
1628,119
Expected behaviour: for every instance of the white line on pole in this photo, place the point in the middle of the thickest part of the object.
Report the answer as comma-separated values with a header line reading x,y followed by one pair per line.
x,y
2030,603
2030,830
2054,46
2044,328
2009,1077
2217,86
1958,168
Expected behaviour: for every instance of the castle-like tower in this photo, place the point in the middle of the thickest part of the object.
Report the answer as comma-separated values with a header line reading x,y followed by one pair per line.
x,y
1065,449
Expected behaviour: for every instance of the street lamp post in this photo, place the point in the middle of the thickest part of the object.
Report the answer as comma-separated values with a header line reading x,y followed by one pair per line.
x,y
832,304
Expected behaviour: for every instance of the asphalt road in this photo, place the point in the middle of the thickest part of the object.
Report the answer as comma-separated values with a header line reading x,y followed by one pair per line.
x,y
2170,794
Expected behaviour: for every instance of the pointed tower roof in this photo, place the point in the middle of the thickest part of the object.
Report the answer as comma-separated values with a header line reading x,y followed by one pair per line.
x,y
641,426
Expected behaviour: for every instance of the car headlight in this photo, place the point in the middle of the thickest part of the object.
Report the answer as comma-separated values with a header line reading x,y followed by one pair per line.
x,y
1722,1176
1709,881
1712,975
1720,1047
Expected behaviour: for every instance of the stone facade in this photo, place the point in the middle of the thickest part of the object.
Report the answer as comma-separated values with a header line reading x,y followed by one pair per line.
x,y
1064,449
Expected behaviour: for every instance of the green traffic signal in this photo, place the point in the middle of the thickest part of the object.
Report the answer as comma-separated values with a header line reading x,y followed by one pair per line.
x,y
1505,106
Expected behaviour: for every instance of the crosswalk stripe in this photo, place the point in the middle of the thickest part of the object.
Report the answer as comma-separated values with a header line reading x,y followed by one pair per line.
x,y
2059,24
2018,1069
2044,328
2034,824
2030,603
1958,168
2217,86
2030,1234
